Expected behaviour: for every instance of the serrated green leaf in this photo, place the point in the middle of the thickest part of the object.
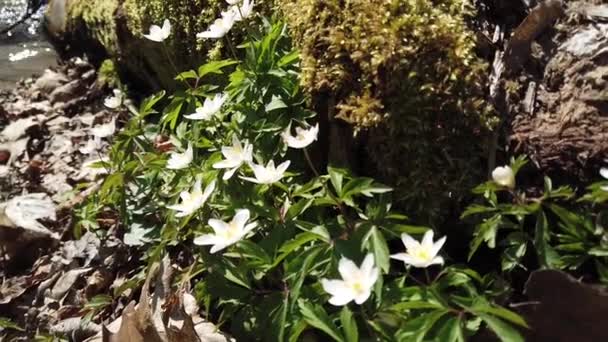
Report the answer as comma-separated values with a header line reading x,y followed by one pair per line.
x,y
504,331
316,316
214,67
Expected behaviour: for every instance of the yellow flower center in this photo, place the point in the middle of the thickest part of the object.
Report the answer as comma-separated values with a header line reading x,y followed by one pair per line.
x,y
358,287
232,231
422,254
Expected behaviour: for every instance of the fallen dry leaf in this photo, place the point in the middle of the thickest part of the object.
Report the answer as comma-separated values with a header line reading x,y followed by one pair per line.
x,y
24,211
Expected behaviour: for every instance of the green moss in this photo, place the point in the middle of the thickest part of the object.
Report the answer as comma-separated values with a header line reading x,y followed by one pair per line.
x,y
107,75
404,72
98,15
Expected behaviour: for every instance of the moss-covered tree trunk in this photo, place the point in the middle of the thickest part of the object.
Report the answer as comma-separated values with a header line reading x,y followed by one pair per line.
x,y
114,29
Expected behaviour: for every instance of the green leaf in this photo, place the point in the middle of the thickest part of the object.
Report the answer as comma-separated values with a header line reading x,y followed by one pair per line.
x,y
99,301
481,307
148,103
414,305
214,67
275,103
236,276
518,163
297,330
298,208
547,257
289,59
349,325
283,318
364,186
186,75
450,330
504,331
295,289
376,243
485,231
336,176
316,316
6,323
294,244
476,209
251,250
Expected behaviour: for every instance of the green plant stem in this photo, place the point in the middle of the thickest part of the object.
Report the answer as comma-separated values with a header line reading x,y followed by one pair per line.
x,y
173,64
231,47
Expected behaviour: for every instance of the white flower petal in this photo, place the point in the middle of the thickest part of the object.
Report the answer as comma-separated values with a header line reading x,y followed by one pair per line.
x,y
437,245
427,239
362,297
604,172
219,226
348,270
437,261
206,239
240,218
504,176
229,173
367,266
406,258
409,242
217,248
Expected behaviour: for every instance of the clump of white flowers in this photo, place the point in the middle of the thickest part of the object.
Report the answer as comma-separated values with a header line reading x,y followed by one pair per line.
x,y
240,10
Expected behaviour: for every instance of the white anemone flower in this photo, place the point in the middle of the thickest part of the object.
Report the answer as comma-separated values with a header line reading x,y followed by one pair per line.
x,y
604,173
242,11
504,176
267,174
159,34
356,283
233,2
421,254
115,101
227,233
192,201
235,156
220,26
179,161
106,130
210,107
303,137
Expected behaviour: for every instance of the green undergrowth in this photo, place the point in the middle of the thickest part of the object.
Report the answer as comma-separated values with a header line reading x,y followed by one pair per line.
x,y
298,252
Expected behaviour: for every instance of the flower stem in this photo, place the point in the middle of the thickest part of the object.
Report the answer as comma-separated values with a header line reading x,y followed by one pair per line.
x,y
231,47
173,64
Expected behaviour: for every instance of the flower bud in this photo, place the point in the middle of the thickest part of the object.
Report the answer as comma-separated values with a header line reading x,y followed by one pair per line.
x,y
504,176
